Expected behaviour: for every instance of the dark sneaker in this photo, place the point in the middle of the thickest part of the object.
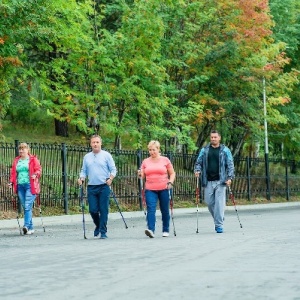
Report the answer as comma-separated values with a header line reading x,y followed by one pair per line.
x,y
103,236
149,233
25,230
96,233
219,229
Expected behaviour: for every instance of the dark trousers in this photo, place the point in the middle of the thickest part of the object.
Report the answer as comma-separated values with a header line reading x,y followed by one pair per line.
x,y
98,198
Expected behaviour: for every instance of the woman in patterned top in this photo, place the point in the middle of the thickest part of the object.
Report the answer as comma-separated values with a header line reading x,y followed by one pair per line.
x,y
24,178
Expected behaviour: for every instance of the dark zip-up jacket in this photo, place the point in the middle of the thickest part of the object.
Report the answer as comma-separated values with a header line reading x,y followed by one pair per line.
x,y
226,166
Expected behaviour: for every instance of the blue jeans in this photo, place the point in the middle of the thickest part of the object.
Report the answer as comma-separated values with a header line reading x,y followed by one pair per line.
x,y
27,200
164,202
98,198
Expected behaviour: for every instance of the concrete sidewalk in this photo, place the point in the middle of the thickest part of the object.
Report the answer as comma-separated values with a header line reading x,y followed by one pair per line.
x,y
259,261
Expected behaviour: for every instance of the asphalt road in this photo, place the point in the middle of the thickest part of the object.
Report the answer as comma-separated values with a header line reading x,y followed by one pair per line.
x,y
259,261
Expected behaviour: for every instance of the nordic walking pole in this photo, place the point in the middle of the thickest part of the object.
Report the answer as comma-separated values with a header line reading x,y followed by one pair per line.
x,y
15,203
113,194
171,206
16,207
197,202
231,196
82,210
143,196
38,201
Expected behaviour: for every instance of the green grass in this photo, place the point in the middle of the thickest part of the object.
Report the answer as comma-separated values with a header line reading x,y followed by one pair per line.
x,y
41,133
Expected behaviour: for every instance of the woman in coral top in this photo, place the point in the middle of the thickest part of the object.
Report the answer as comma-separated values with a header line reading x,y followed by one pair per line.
x,y
24,178
159,175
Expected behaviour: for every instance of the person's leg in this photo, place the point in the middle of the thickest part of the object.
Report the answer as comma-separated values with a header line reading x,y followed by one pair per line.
x,y
151,202
164,203
209,197
103,198
22,197
27,200
94,207
220,203
28,208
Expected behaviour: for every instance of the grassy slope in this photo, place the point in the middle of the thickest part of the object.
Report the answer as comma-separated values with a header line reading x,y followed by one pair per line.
x,y
41,133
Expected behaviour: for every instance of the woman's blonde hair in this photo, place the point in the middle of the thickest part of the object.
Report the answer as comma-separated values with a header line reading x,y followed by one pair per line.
x,y
154,143
24,146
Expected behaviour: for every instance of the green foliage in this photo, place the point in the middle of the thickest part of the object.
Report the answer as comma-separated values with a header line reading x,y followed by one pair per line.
x,y
167,70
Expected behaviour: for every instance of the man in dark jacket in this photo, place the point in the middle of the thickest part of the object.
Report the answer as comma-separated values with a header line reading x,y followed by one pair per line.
x,y
215,163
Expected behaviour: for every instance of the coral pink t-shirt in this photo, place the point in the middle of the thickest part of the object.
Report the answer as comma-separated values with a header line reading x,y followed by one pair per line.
x,y
156,172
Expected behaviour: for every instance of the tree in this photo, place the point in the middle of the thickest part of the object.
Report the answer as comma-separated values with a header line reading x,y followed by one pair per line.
x,y
12,21
287,29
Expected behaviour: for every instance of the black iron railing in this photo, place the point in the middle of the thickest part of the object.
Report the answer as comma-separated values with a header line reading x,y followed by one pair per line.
x,y
61,166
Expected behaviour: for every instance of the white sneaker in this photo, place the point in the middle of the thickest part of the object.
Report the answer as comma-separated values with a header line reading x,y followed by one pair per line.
x,y
30,231
149,233
165,234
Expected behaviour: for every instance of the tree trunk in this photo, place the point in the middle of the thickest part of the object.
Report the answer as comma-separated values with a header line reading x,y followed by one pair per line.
x,y
61,128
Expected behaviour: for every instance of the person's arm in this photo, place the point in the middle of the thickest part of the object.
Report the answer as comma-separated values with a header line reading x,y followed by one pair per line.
x,y
230,167
141,173
199,163
37,168
112,169
13,176
171,175
82,174
13,172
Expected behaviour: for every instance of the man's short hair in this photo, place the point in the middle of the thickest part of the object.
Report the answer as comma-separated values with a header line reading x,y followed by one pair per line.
x,y
95,136
215,131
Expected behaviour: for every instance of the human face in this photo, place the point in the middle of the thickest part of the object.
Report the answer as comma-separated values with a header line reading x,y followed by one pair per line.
x,y
96,144
215,139
23,152
153,151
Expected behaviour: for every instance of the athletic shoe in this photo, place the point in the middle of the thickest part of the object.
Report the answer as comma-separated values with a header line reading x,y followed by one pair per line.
x,y
25,230
149,233
30,231
103,236
219,230
96,233
165,234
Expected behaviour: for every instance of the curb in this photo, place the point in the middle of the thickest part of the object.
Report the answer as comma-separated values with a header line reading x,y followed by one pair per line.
x,y
70,219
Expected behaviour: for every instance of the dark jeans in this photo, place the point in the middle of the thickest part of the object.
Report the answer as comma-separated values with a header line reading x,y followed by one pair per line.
x,y
98,198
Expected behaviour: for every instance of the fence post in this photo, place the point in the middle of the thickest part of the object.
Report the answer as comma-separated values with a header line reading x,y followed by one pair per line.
x,y
248,179
287,187
64,176
139,162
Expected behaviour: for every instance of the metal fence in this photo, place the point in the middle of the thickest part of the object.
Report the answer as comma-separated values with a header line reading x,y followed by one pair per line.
x,y
61,165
